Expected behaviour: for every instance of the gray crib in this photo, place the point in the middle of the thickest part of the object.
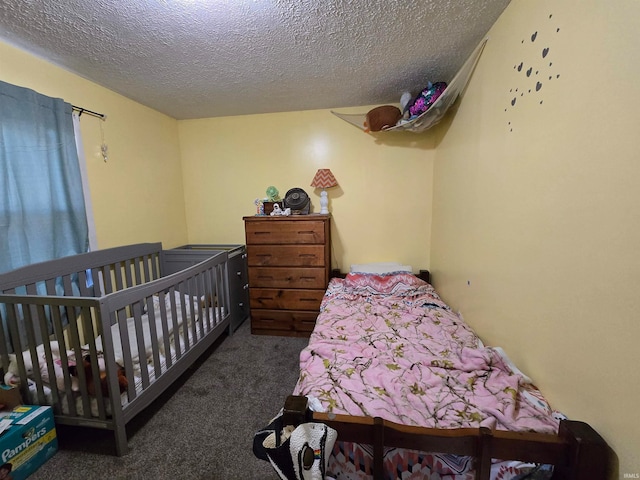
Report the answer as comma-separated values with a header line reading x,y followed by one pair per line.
x,y
72,328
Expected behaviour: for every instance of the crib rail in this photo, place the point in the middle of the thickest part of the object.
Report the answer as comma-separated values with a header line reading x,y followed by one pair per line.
x,y
99,340
120,267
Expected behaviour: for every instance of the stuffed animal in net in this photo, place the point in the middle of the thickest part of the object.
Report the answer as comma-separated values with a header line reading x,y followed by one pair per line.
x,y
387,116
381,118
423,101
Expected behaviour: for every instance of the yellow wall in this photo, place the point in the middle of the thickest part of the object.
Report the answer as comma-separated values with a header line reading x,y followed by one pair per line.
x,y
381,210
137,194
535,227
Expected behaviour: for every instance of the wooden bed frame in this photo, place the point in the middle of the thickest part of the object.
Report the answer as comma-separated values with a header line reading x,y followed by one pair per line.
x,y
577,451
422,274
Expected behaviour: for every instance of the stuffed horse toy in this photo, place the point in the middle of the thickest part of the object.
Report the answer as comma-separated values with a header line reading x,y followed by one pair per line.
x,y
123,383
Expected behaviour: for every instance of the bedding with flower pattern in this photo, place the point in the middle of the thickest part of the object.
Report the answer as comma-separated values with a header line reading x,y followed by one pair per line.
x,y
388,346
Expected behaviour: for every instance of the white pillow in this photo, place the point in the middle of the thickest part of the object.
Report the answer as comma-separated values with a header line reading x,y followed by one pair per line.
x,y
380,268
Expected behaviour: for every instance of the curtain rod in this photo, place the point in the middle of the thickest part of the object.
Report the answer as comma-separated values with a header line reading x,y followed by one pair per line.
x,y
102,116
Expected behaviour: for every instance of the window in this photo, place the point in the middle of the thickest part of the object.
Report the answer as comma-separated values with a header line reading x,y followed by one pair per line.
x,y
42,207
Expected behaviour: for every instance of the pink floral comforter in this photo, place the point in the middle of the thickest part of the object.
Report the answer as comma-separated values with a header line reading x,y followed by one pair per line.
x,y
388,346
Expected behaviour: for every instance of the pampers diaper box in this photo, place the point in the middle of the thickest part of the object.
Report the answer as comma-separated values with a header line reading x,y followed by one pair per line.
x,y
28,439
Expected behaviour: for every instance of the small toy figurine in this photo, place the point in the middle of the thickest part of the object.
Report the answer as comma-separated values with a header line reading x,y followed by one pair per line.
x,y
273,195
277,211
259,207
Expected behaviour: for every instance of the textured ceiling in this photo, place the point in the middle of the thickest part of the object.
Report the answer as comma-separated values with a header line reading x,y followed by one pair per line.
x,y
209,58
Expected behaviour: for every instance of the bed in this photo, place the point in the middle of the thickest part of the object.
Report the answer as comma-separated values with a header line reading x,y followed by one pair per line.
x,y
414,394
98,336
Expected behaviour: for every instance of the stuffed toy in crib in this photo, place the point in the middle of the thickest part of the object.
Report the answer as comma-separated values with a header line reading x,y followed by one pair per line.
x,y
104,387
12,377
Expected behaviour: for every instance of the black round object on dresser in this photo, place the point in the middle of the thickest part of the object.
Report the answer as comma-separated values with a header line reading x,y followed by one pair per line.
x,y
298,201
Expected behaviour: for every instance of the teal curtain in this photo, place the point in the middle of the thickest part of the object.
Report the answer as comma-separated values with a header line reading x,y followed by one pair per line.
x,y
42,210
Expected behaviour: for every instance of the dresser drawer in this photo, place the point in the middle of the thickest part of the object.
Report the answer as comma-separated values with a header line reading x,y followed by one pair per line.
x,y
286,255
279,322
276,298
286,277
285,232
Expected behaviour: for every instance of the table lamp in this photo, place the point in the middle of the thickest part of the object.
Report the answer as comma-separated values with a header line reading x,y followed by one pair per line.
x,y
324,179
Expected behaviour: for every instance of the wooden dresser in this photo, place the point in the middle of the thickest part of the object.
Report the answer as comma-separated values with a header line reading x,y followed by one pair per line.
x,y
289,261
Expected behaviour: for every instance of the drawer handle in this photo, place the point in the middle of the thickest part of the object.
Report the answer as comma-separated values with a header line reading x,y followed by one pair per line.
x,y
311,255
263,255
262,233
306,232
307,299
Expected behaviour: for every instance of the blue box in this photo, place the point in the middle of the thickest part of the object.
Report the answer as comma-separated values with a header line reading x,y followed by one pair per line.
x,y
30,440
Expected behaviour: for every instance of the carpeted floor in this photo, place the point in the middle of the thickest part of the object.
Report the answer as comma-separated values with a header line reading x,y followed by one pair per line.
x,y
203,428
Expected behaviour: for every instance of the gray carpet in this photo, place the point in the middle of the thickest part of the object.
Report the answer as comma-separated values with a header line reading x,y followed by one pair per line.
x,y
203,428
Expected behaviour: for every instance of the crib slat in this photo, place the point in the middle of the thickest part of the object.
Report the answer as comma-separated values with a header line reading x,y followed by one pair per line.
x,y
125,342
146,262
117,272
107,278
56,322
68,285
179,350
137,274
207,307
13,314
41,322
189,333
154,265
166,340
154,335
222,291
82,284
195,303
50,286
128,264
139,340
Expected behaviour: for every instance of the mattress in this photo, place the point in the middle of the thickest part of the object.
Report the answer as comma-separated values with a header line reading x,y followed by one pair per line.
x,y
388,346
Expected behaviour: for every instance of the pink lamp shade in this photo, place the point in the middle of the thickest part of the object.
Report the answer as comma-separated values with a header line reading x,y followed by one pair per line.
x,y
324,179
